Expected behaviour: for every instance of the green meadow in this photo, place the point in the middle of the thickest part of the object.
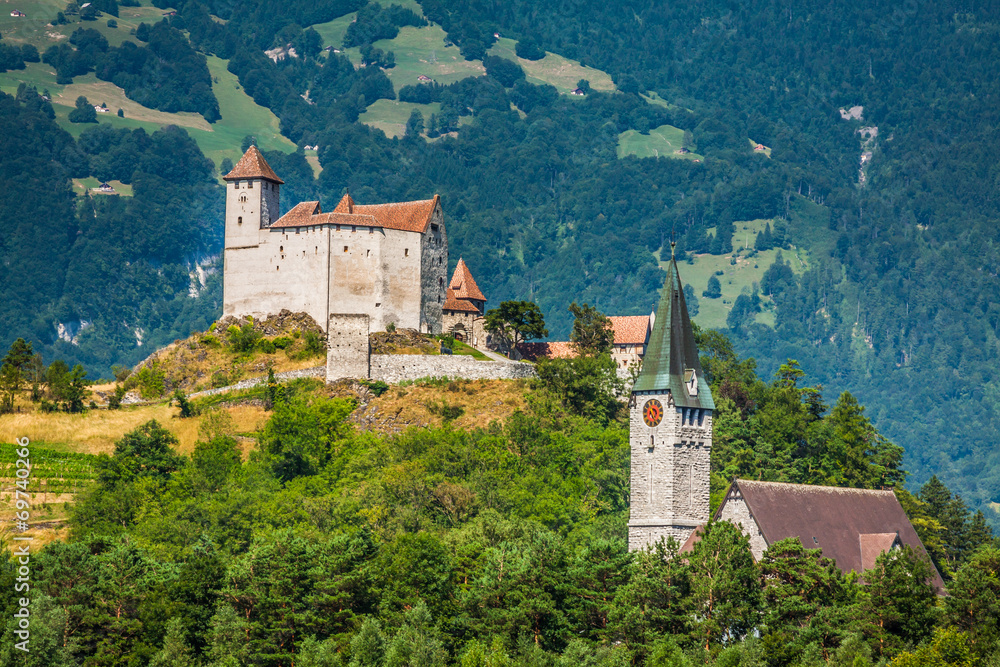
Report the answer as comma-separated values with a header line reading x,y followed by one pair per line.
x,y
663,141
749,268
553,69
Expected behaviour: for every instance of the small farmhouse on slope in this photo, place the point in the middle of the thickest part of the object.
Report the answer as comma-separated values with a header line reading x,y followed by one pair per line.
x,y
670,432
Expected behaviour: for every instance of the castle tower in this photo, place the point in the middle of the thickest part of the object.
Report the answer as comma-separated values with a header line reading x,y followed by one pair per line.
x,y
670,429
251,199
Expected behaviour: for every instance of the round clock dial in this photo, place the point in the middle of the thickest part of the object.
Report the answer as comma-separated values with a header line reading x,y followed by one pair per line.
x,y
652,412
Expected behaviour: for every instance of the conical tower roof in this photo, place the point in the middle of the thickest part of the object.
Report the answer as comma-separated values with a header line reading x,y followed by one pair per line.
x,y
670,362
464,284
252,165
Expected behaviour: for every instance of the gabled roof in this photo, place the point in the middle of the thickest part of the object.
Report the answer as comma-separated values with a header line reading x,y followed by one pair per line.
x,y
252,165
630,329
411,216
463,284
849,525
451,302
672,351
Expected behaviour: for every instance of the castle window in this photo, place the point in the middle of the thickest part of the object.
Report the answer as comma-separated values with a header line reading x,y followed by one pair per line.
x,y
371,230
345,248
236,185
239,220
338,228
243,199
281,248
406,252
249,185
434,227
354,228
277,268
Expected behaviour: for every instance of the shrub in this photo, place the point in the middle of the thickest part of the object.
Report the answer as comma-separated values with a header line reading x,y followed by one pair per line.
x,y
115,400
266,346
187,410
448,413
151,381
378,387
314,344
282,342
220,379
209,340
243,339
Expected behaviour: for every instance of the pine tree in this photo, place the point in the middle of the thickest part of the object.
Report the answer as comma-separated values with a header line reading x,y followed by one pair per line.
x,y
175,652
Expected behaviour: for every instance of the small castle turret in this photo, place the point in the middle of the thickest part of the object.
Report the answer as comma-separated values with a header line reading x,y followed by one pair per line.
x,y
670,429
252,190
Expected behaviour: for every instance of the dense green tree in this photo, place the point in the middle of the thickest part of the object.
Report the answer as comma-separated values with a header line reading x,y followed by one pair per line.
x,y
592,330
514,322
714,289
84,112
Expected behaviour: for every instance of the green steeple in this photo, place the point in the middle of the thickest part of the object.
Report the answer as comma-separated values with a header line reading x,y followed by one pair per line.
x,y
670,362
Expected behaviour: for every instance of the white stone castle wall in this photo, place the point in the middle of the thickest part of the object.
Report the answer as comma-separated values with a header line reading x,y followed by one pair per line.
x,y
393,368
347,353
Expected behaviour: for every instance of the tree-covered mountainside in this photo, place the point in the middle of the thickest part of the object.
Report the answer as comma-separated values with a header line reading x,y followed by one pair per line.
x,y
895,203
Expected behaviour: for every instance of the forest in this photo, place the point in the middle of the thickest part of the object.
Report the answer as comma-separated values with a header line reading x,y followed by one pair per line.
x,y
499,545
896,306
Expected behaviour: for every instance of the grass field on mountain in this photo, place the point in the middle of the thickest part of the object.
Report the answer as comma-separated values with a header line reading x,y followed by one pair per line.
x,y
663,141
553,69
736,277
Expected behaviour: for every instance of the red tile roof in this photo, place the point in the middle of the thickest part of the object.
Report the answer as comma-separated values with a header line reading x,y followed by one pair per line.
x,y
463,283
411,216
252,165
630,329
552,350
453,303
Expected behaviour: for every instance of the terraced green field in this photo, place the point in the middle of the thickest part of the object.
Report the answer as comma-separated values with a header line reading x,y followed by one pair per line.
x,y
390,116
664,141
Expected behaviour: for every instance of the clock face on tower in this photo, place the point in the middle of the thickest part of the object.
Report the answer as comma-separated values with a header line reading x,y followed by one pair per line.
x,y
652,412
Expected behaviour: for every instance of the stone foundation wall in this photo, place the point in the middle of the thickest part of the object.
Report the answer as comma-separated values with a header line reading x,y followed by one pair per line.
x,y
643,537
393,368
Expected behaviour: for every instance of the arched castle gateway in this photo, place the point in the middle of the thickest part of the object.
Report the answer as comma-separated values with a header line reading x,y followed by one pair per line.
x,y
670,429
359,266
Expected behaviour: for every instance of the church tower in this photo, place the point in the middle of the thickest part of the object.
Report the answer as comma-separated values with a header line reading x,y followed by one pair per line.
x,y
670,428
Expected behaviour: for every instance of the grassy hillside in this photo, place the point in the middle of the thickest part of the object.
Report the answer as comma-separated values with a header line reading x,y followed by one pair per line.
x,y
663,141
554,69
241,116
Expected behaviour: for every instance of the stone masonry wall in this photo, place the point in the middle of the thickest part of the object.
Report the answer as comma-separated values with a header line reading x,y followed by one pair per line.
x,y
642,537
736,512
393,368
433,273
347,353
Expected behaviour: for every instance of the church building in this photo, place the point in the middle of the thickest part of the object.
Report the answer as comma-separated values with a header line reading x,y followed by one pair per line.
x,y
362,266
670,433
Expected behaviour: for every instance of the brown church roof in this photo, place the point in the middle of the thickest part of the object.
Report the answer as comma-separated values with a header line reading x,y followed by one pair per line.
x,y
464,284
830,518
252,165
630,329
406,216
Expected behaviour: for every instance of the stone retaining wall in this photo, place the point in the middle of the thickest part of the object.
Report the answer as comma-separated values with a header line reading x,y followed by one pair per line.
x,y
314,372
394,368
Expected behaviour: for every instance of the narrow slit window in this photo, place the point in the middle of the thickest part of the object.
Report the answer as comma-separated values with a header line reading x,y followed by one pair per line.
x,y
249,185
239,220
406,252
345,248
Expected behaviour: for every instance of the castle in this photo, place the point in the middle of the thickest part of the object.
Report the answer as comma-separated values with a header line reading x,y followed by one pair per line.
x,y
355,270
386,262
